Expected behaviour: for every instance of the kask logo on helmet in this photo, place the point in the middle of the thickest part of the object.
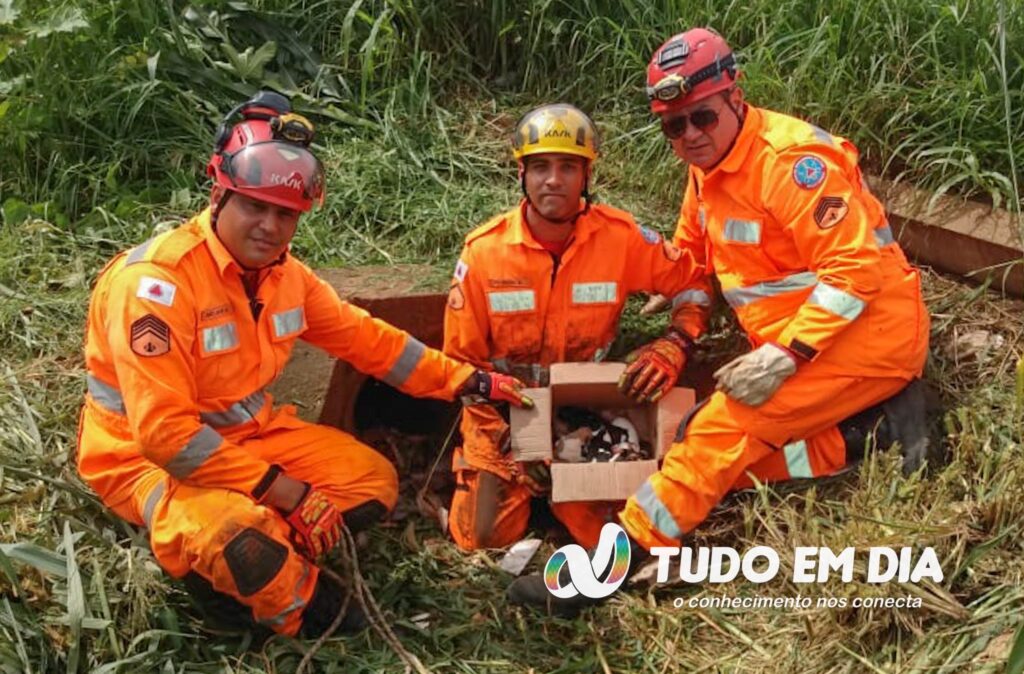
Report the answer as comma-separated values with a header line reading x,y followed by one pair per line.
x,y
611,555
558,133
294,181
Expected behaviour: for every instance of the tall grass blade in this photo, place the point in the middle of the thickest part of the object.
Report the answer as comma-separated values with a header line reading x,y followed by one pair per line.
x,y
45,560
8,569
75,602
20,646
1015,663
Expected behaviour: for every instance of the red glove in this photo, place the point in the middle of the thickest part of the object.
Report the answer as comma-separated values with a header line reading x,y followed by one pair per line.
x,y
496,388
654,368
316,524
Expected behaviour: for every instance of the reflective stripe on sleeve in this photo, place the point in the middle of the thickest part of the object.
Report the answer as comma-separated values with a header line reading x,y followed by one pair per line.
x,y
738,297
195,453
406,363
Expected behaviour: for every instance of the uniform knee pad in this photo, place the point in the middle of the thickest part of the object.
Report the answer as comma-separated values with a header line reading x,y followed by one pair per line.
x,y
254,559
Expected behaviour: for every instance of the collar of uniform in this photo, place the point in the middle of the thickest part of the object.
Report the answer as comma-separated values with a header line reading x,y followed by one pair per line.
x,y
521,231
737,156
221,255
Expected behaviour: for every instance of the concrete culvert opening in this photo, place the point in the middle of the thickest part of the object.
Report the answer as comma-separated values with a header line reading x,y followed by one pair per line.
x,y
378,405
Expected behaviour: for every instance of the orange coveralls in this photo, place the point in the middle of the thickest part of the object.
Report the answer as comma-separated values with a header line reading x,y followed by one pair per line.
x,y
177,428
512,309
805,257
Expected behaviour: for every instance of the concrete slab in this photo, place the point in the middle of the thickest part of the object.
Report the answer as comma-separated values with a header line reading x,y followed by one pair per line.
x,y
411,297
967,238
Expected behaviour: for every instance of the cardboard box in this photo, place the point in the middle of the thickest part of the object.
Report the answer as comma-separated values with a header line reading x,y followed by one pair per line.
x,y
593,385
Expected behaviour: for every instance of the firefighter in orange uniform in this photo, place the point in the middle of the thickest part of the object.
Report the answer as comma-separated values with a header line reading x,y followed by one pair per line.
x,y
546,283
778,211
178,434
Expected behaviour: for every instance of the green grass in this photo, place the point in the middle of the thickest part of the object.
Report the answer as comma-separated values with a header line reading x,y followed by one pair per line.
x,y
104,142
106,104
969,511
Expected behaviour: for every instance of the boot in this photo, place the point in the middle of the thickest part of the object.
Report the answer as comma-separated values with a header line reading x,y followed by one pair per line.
x,y
323,608
531,590
901,418
222,612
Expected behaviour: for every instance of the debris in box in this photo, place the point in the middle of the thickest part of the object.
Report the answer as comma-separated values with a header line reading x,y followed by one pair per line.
x,y
581,435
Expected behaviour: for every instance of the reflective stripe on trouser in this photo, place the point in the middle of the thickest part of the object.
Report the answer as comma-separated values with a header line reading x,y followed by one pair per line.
x,y
489,512
192,528
794,434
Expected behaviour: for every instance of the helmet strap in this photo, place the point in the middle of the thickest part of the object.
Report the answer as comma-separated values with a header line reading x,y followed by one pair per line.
x,y
740,117
217,208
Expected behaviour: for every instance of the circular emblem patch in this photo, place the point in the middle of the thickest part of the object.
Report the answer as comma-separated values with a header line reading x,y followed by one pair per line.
x,y
650,236
809,172
456,299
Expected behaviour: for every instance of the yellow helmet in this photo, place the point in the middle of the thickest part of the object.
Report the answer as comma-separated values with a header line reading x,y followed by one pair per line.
x,y
560,128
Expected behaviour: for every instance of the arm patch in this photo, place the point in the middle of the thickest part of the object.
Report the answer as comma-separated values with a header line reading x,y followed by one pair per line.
x,y
150,336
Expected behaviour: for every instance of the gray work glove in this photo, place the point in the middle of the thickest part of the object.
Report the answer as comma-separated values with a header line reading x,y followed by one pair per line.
x,y
754,377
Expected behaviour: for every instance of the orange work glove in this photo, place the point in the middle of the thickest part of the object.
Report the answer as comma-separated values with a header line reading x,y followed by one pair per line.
x,y
654,368
496,388
316,524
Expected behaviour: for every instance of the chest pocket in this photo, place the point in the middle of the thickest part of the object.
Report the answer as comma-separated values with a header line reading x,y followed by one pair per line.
x,y
288,324
737,248
218,368
594,315
512,302
595,293
737,231
516,327
218,339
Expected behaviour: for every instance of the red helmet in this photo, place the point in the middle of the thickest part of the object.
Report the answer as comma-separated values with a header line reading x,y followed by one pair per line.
x,y
265,155
688,67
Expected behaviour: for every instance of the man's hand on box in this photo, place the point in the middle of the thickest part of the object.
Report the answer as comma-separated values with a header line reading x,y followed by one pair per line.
x,y
496,387
654,368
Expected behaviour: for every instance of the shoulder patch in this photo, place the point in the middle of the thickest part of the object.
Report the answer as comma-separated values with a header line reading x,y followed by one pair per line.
x,y
461,268
150,336
650,236
156,290
830,211
456,298
809,172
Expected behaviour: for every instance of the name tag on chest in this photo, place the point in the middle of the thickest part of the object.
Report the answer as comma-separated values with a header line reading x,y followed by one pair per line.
x,y
594,293
512,301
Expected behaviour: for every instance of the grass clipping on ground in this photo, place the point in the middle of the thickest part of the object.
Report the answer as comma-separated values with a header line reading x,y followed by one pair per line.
x,y
79,586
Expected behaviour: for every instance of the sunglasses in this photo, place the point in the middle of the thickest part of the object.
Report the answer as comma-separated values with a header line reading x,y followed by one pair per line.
x,y
674,127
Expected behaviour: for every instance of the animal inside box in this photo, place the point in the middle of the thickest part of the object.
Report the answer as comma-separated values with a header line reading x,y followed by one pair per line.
x,y
591,387
582,434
